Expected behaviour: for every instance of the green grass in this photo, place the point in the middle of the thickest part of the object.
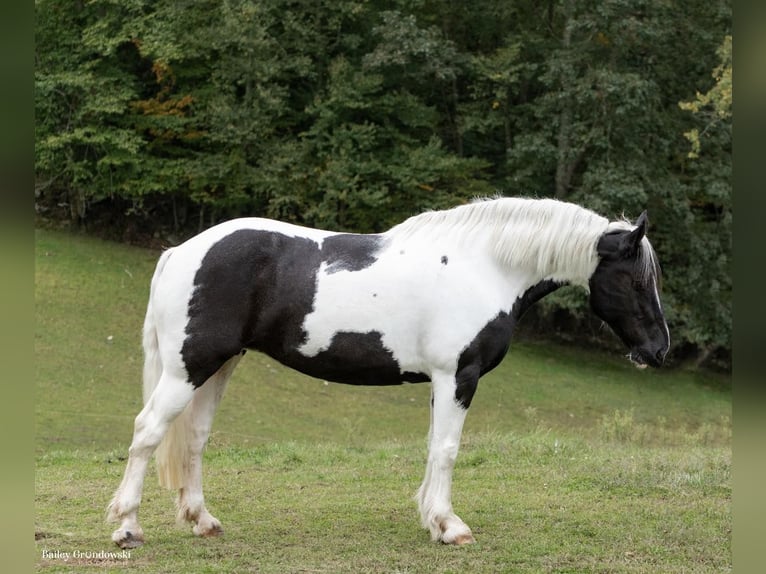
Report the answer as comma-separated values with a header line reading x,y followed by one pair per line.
x,y
536,504
571,461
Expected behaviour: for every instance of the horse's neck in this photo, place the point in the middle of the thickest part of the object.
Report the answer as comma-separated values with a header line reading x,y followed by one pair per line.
x,y
545,239
541,263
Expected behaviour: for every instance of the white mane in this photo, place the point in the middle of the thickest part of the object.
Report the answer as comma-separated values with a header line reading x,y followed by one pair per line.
x,y
553,239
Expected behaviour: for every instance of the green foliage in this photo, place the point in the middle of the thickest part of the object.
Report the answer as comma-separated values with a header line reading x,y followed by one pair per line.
x,y
353,115
714,105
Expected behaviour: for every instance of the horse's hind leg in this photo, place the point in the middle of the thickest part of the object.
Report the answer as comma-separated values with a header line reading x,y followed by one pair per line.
x,y
169,398
191,502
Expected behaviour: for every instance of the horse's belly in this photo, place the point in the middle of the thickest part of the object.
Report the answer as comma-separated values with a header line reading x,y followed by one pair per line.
x,y
353,358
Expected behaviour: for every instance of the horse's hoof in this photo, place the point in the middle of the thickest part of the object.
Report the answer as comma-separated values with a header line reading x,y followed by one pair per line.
x,y
127,539
458,535
462,539
209,531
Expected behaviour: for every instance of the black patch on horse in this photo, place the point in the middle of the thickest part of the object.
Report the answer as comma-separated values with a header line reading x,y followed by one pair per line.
x,y
356,359
254,289
491,344
350,252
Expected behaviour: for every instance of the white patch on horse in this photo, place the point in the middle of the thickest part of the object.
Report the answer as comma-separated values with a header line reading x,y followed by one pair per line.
x,y
408,298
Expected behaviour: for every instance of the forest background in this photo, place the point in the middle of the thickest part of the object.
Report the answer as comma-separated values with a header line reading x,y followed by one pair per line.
x,y
154,120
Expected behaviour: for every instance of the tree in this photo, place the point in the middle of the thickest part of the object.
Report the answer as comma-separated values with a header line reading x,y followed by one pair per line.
x,y
705,319
84,143
714,106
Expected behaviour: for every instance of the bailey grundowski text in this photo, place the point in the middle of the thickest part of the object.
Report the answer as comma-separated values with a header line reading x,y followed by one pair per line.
x,y
85,555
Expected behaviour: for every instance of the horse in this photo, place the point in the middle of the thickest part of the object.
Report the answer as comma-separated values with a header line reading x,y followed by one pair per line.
x,y
435,298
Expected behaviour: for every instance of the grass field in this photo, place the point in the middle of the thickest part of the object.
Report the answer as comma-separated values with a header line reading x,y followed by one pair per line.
x,y
571,461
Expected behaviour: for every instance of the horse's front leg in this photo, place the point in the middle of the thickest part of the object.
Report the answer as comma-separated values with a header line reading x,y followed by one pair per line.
x,y
435,495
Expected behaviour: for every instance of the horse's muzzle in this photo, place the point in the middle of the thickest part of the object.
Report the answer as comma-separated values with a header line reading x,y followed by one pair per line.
x,y
642,358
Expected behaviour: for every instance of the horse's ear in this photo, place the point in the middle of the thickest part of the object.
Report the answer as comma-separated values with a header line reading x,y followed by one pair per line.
x,y
631,241
643,222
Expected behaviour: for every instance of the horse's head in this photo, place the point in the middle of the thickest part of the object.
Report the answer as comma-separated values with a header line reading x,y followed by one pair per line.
x,y
624,293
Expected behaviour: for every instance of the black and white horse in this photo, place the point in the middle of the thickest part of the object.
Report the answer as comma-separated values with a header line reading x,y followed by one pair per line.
x,y
435,298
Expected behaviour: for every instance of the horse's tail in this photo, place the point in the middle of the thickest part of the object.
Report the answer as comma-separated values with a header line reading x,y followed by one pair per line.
x,y
152,360
172,453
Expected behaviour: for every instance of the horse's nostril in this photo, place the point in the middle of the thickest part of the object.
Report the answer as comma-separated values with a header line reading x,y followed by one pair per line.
x,y
661,355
